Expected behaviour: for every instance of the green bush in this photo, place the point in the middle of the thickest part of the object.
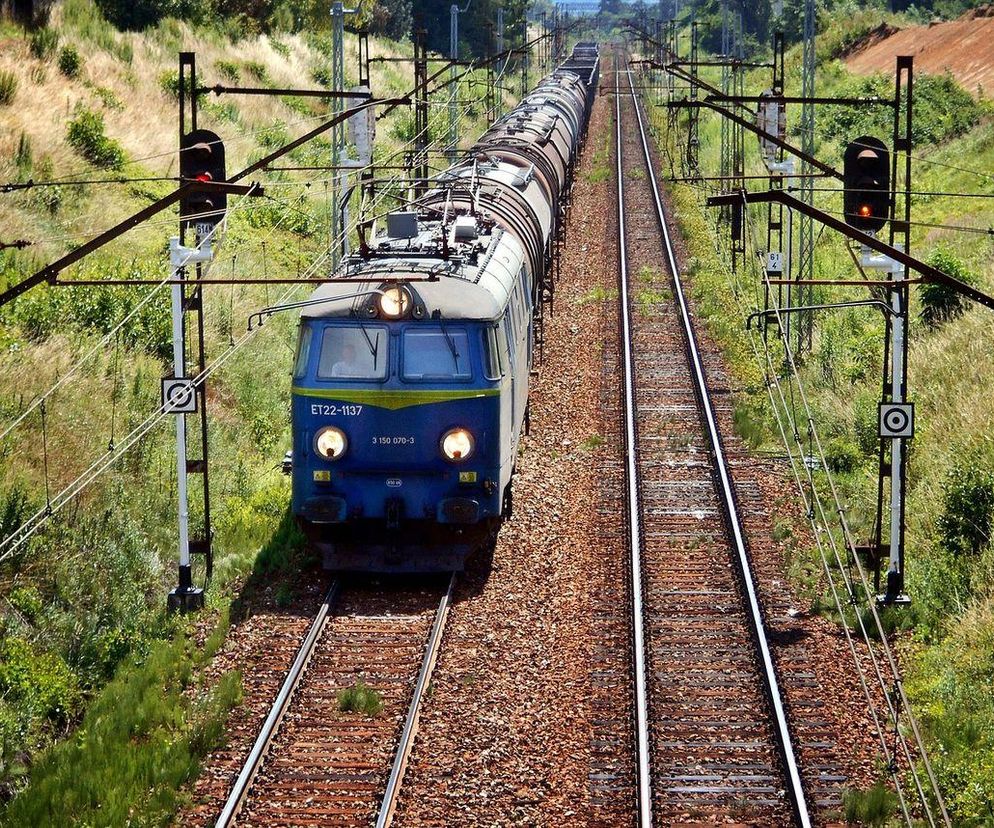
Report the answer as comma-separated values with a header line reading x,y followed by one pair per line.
x,y
39,682
141,740
281,48
135,16
228,70
70,62
257,71
27,601
86,135
322,76
169,83
15,507
8,87
874,806
44,42
841,456
99,309
967,509
360,698
273,136
941,303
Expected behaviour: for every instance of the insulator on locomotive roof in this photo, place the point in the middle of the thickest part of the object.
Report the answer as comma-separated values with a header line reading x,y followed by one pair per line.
x,y
464,229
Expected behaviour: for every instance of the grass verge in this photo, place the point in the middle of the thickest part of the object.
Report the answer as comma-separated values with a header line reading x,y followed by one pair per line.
x,y
142,738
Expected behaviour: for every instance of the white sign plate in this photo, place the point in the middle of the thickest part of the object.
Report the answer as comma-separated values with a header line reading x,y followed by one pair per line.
x,y
771,117
361,129
897,420
179,396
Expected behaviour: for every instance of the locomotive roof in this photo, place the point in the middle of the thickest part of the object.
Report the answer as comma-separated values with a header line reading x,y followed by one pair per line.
x,y
475,282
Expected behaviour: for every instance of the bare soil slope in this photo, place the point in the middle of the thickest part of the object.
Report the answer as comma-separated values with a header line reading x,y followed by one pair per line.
x,y
964,47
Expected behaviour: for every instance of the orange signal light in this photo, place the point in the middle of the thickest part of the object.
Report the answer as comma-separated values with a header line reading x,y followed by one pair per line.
x,y
865,211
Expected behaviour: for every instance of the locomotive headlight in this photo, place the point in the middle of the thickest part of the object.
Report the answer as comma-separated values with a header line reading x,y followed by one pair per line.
x,y
457,444
395,302
331,443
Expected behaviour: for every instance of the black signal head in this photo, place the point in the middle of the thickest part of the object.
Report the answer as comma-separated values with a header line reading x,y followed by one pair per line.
x,y
202,160
866,184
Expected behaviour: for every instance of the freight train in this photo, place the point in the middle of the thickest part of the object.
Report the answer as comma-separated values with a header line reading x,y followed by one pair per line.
x,y
410,380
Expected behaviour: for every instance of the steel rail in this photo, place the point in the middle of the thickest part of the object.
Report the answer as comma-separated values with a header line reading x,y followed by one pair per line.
x,y
644,770
262,742
239,793
782,729
414,711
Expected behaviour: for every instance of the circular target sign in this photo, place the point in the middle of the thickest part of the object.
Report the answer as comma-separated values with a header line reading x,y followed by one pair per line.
x,y
897,420
178,396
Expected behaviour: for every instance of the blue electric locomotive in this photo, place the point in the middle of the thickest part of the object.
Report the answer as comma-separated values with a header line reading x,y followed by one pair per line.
x,y
410,382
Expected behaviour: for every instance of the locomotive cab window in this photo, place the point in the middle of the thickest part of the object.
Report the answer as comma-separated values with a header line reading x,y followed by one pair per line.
x,y
436,353
491,352
354,352
303,351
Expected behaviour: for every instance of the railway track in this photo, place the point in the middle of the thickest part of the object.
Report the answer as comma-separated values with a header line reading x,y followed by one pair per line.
x,y
314,764
711,732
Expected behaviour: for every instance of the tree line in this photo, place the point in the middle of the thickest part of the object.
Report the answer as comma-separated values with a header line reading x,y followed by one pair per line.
x,y
394,19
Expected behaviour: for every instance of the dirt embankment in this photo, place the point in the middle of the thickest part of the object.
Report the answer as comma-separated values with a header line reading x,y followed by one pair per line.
x,y
964,47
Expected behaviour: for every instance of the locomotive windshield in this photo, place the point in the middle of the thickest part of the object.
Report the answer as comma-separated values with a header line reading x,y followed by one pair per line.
x,y
354,352
436,353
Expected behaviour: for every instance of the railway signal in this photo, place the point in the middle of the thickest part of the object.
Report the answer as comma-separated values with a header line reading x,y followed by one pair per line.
x,y
202,159
866,184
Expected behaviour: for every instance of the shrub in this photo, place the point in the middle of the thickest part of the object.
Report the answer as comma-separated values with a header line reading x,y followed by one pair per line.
x,y
169,83
86,135
43,43
273,136
227,69
14,509
27,601
943,110
140,741
70,62
967,509
360,698
322,75
135,16
941,303
8,87
40,682
874,806
257,71
281,48
108,98
841,456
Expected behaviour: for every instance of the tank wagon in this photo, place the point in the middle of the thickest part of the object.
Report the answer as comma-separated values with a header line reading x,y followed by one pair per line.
x,y
410,380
